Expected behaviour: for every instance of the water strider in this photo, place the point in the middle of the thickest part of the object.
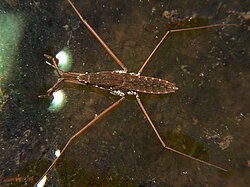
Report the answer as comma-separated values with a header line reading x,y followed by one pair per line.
x,y
120,83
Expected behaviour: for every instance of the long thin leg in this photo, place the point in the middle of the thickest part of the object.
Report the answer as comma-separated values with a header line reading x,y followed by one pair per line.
x,y
163,143
104,45
178,30
111,107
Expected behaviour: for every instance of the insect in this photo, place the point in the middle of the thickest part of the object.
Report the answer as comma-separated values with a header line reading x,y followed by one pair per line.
x,y
120,83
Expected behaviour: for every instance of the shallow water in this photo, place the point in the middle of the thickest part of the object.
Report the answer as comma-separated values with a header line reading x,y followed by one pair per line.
x,y
207,118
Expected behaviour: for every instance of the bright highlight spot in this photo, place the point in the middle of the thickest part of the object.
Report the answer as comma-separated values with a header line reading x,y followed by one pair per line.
x,y
58,101
42,182
57,153
62,57
65,60
58,97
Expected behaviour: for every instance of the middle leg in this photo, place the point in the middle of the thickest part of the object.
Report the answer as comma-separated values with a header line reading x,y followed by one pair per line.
x,y
178,30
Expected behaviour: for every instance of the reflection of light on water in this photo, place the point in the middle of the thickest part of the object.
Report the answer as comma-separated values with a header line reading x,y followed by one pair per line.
x,y
58,98
11,33
65,60
57,153
42,182
62,57
58,101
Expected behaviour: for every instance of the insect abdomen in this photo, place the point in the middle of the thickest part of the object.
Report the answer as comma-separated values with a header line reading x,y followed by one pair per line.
x,y
149,85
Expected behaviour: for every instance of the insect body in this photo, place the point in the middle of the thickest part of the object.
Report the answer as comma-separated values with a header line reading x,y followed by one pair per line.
x,y
128,82
117,82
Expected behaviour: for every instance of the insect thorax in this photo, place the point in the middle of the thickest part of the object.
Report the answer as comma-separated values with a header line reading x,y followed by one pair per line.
x,y
84,78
